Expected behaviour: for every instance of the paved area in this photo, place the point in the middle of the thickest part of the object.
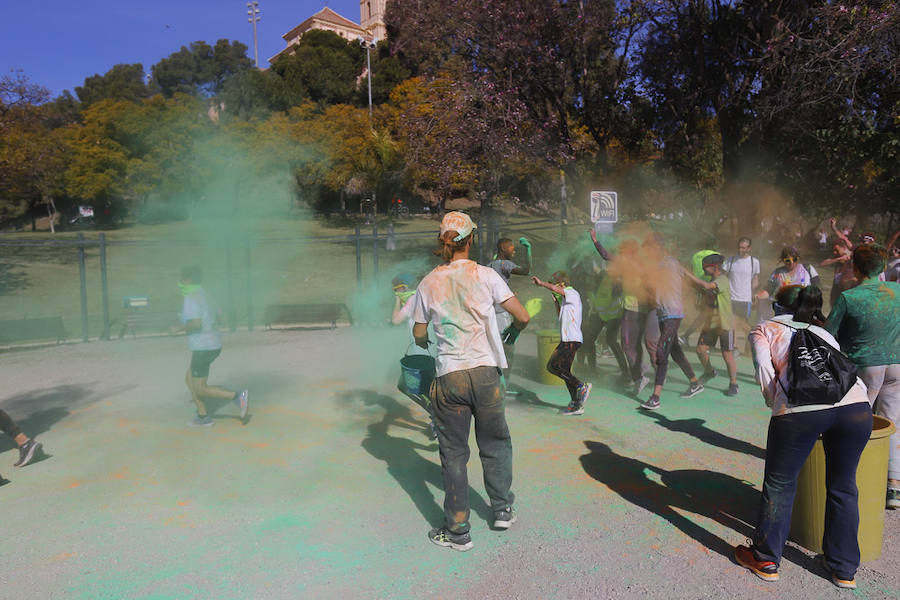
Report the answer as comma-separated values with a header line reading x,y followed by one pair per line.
x,y
330,488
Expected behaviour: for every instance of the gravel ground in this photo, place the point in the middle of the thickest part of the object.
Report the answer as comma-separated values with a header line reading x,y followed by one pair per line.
x,y
331,486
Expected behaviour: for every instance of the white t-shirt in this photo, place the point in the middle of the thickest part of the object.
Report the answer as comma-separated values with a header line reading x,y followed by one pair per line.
x,y
570,317
741,272
197,305
458,300
406,312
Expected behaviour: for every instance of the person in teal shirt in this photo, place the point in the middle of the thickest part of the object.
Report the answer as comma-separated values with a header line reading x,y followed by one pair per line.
x,y
866,322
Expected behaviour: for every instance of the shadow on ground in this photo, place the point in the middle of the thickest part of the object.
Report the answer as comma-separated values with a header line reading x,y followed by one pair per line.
x,y
45,408
697,428
401,455
725,499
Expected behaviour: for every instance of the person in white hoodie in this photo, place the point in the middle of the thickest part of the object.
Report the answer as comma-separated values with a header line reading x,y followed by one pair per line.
x,y
844,427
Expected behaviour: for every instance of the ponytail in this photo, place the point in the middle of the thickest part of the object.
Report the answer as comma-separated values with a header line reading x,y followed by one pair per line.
x,y
447,247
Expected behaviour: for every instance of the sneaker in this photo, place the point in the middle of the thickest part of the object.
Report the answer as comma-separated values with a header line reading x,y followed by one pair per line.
x,y
574,408
198,421
764,569
652,402
893,499
458,541
707,375
693,390
243,401
847,584
27,452
732,389
504,518
583,392
640,384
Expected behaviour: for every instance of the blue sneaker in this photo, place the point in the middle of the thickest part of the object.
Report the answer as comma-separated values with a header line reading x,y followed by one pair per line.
x,y
243,402
198,421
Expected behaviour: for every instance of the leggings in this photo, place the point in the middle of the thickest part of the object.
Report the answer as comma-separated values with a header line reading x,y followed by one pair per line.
x,y
8,426
633,324
595,326
560,364
668,344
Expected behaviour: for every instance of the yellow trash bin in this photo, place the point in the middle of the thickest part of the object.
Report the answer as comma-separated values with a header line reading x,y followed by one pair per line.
x,y
547,340
808,516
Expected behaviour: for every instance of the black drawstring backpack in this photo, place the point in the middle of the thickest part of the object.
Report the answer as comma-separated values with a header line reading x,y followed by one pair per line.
x,y
819,372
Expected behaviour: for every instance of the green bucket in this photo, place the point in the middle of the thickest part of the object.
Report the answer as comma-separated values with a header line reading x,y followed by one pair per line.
x,y
418,372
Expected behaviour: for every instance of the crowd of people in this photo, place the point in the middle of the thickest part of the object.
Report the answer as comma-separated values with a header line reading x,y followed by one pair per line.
x,y
636,295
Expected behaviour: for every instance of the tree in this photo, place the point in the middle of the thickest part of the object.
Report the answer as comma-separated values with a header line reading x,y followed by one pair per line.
x,y
324,67
827,109
200,69
122,82
31,154
565,63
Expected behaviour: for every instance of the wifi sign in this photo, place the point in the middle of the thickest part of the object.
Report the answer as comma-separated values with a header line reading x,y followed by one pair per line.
x,y
604,207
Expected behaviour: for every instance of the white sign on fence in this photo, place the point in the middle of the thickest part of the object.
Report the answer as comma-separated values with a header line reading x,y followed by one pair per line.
x,y
604,207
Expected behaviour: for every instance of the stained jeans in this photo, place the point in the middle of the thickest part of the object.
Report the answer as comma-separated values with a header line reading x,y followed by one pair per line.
x,y
845,432
457,397
883,384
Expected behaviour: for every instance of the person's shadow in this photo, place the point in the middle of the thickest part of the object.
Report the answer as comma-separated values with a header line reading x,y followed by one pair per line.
x,y
697,428
410,469
729,501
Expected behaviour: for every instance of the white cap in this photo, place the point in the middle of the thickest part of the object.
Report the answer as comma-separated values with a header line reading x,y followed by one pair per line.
x,y
459,222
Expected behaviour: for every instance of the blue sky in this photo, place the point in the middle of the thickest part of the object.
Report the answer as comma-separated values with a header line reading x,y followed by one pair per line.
x,y
59,43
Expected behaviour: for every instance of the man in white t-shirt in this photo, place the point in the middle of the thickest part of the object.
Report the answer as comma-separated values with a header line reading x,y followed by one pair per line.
x,y
458,299
743,277
568,305
198,319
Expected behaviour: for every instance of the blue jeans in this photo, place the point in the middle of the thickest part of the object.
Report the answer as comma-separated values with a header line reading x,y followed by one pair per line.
x,y
456,398
845,432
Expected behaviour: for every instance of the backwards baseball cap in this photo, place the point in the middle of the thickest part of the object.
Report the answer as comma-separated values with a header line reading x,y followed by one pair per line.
x,y
713,259
459,222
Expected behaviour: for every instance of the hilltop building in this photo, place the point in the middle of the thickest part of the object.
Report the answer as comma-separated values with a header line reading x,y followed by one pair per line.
x,y
371,26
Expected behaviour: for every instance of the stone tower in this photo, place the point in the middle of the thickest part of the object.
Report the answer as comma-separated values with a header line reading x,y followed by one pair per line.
x,y
371,17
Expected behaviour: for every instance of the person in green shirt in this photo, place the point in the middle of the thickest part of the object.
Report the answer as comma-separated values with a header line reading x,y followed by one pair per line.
x,y
719,320
866,322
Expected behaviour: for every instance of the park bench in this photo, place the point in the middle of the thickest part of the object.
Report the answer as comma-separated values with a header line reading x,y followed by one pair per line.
x,y
138,316
298,315
42,328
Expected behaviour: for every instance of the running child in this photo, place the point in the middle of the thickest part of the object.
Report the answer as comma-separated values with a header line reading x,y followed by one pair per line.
x,y
198,319
568,305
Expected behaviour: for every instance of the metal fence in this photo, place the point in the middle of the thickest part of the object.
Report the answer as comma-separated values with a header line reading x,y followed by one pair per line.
x,y
87,282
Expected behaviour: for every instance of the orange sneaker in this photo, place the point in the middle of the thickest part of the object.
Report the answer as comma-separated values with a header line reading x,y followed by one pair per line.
x,y
764,569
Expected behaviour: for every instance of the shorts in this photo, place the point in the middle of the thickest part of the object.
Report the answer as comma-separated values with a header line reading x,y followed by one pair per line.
x,y
725,338
741,309
200,361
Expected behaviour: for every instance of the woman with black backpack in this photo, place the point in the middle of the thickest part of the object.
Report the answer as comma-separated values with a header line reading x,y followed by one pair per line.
x,y
798,365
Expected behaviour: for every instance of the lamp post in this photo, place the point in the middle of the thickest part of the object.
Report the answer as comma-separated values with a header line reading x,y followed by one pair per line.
x,y
369,46
253,12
